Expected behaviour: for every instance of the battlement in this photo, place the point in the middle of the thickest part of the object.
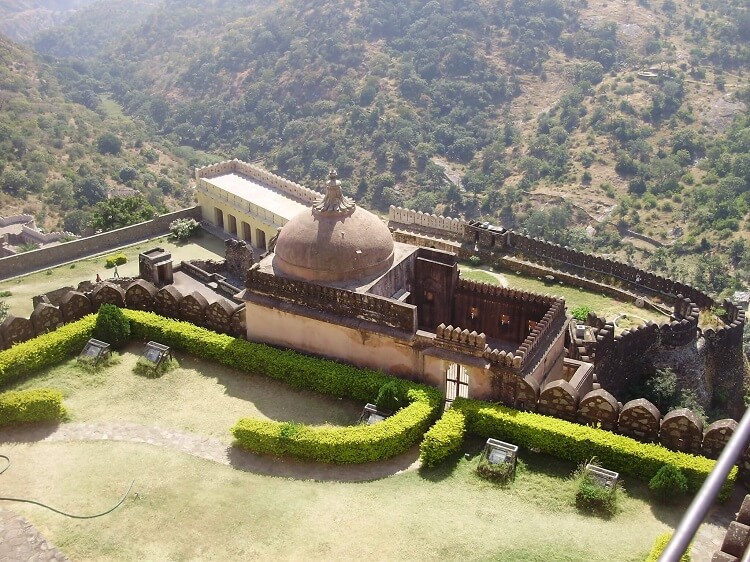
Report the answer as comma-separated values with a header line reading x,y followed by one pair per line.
x,y
371,308
408,217
460,340
265,177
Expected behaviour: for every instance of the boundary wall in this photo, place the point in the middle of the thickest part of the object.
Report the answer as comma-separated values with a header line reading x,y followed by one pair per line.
x,y
19,264
289,187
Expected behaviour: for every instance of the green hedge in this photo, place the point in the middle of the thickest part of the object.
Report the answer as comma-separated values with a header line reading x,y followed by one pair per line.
x,y
31,406
660,543
579,443
46,350
354,444
444,438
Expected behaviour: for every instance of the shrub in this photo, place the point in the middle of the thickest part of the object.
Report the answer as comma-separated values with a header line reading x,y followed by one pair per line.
x,y
668,484
146,368
182,229
578,443
31,406
389,397
580,313
592,497
492,471
660,543
475,261
46,350
115,259
353,444
443,439
112,326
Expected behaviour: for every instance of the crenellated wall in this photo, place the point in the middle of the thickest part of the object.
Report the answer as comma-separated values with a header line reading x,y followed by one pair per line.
x,y
254,172
419,219
349,304
221,316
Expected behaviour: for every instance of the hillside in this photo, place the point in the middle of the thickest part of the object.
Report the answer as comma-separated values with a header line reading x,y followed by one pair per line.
x,y
58,159
22,19
627,116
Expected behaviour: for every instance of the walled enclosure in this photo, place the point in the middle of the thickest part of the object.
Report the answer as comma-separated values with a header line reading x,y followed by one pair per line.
x,y
27,262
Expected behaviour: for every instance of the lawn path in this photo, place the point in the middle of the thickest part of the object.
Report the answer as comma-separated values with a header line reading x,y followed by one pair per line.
x,y
212,449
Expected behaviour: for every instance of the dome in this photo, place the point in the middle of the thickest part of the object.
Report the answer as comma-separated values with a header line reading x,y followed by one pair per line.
x,y
333,241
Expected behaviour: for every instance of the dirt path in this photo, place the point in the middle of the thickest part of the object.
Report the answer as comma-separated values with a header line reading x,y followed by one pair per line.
x,y
21,541
212,449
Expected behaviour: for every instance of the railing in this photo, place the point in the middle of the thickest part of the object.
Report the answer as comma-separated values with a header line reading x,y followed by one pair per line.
x,y
707,494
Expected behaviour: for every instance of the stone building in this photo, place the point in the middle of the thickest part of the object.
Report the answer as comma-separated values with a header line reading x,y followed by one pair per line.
x,y
247,202
337,284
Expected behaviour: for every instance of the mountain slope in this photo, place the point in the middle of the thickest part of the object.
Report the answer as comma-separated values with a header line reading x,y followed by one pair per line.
x,y
22,19
529,102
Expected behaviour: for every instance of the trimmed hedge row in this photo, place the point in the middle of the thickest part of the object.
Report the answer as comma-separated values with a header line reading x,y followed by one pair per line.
x,y
444,438
25,406
660,543
578,443
356,444
45,351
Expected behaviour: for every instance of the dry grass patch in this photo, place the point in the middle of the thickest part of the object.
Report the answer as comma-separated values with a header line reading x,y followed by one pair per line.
x,y
199,396
192,509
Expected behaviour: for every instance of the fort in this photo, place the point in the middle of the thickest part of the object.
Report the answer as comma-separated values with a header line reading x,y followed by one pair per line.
x,y
392,298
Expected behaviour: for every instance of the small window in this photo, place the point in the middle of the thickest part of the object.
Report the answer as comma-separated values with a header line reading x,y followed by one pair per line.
x,y
429,296
474,312
531,325
504,320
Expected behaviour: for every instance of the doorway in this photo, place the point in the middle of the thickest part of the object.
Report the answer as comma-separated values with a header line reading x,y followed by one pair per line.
x,y
456,383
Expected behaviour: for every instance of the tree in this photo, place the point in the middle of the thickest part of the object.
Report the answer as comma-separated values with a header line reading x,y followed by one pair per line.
x,y
76,221
120,212
109,143
89,190
128,174
182,229
14,182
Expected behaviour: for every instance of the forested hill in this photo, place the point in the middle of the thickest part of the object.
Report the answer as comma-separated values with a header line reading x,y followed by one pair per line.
x,y
22,19
555,114
59,159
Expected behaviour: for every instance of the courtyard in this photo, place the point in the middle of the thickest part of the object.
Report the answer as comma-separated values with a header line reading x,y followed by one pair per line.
x,y
197,497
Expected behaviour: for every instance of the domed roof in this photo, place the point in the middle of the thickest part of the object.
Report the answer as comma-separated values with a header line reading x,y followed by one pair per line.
x,y
333,241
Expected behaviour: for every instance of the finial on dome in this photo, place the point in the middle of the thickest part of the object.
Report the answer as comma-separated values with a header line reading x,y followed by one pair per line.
x,y
334,200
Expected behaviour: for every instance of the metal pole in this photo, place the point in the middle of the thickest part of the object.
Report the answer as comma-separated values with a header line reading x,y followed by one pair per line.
x,y
705,497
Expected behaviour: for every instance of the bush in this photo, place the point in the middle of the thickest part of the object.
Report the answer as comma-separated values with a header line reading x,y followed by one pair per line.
x,y
443,439
668,484
46,350
31,406
353,444
475,261
146,368
578,443
182,229
498,472
389,397
112,326
592,497
660,544
580,313
115,259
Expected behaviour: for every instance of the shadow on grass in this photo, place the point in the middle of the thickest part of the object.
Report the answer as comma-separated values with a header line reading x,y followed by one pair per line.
x,y
289,467
275,399
27,433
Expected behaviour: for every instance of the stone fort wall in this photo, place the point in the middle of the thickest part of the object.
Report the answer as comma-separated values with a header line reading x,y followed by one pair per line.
x,y
67,305
46,257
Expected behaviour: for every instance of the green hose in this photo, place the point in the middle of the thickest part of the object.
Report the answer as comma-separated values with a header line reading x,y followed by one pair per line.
x,y
57,510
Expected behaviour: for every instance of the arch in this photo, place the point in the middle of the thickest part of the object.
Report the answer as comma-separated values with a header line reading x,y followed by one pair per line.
x,y
682,430
599,408
639,419
559,399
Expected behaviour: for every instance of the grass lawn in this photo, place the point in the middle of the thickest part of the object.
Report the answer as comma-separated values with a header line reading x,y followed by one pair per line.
x,y
199,396
23,288
190,508
574,296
